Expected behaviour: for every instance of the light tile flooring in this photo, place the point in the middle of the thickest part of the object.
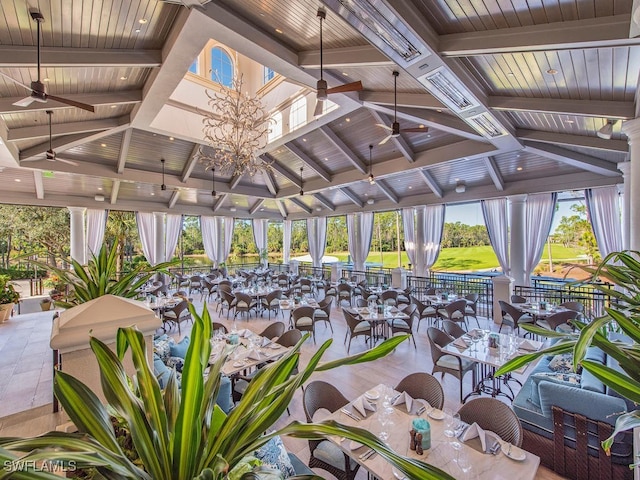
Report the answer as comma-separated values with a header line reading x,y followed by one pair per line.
x,y
26,369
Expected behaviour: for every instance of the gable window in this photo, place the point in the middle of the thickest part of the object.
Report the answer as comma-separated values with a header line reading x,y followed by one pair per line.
x,y
275,129
194,66
267,75
221,67
298,113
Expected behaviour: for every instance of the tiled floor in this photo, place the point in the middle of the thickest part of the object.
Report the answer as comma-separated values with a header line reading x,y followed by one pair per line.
x,y
26,370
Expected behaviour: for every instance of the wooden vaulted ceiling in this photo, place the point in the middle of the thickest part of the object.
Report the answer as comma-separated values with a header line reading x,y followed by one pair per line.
x,y
550,73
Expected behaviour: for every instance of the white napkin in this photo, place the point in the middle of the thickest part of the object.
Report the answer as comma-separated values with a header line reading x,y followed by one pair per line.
x,y
404,398
265,341
361,404
487,437
526,345
254,354
353,445
459,342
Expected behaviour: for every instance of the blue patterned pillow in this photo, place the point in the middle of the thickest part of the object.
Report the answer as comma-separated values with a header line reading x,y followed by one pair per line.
x,y
180,349
274,455
175,362
561,363
162,346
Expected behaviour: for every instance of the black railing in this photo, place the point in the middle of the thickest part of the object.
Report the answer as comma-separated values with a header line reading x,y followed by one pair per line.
x,y
375,276
457,283
557,291
306,269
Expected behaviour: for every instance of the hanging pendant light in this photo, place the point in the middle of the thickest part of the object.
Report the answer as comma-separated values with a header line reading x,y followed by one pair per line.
x,y
213,182
301,190
372,179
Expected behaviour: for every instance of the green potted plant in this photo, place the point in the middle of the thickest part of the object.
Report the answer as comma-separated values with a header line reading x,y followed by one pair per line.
x,y
622,272
8,297
45,304
182,434
264,257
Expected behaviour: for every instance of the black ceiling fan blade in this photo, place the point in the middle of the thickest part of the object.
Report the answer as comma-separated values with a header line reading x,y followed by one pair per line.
x,y
73,103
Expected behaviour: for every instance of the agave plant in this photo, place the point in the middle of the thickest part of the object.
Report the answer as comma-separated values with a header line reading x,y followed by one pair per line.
x,y
182,433
100,277
622,272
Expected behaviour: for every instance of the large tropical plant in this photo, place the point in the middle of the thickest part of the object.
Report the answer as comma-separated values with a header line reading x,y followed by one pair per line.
x,y
622,272
101,277
180,433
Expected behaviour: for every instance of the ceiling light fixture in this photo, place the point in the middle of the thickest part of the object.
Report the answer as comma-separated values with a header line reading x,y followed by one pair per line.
x,y
606,130
461,188
371,201
519,169
552,71
301,190
232,209
372,179
213,182
99,198
236,131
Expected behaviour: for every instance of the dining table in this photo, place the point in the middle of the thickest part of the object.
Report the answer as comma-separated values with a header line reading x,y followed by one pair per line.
x,y
378,319
441,454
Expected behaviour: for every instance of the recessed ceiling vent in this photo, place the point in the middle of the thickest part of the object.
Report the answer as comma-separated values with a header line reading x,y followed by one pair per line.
x,y
448,90
486,125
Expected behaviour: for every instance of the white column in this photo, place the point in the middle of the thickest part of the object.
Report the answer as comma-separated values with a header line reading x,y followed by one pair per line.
x,y
159,230
78,237
625,168
517,204
631,128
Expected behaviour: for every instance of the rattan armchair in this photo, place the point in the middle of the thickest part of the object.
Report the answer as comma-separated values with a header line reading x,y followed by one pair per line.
x,y
454,311
495,416
243,304
513,317
323,310
471,309
303,319
344,293
423,385
389,297
271,302
427,312
405,325
178,314
453,329
274,330
356,327
558,320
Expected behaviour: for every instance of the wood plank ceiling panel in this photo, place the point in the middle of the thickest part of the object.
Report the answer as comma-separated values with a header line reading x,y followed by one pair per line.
x,y
317,146
147,192
63,115
104,151
407,183
146,149
570,124
524,165
78,185
611,156
380,79
19,180
469,172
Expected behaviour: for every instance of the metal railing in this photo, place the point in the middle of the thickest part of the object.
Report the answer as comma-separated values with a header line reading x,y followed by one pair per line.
x,y
375,276
460,284
306,269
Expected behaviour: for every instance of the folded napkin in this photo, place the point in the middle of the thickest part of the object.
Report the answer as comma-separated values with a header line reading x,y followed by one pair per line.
x,y
265,341
393,310
253,354
527,345
488,439
361,404
459,342
353,445
405,398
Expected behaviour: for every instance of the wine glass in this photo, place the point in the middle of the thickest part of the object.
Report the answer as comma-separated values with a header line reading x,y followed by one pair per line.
x,y
475,338
464,462
448,423
456,425
384,418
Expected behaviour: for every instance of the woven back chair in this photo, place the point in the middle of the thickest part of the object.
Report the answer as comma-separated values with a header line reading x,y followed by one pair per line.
x,y
445,362
218,327
453,329
271,302
471,309
389,297
290,338
226,301
303,319
518,299
344,292
493,415
243,304
513,317
405,325
423,385
357,327
559,319
427,312
322,395
178,314
323,311
274,330
454,311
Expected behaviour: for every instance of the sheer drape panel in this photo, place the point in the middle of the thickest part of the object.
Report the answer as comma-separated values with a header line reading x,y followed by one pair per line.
x,y
540,209
286,241
409,225
317,238
495,219
429,226
209,227
96,223
229,223
146,232
359,231
603,207
260,226
172,234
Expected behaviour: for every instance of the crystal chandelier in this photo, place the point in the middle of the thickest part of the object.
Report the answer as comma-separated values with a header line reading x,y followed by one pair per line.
x,y
236,127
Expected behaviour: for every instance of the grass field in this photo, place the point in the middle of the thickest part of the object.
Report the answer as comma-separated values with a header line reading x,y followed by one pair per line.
x,y
454,259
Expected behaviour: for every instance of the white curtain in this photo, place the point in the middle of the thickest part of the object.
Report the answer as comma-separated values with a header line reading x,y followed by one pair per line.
x,y
603,207
260,226
317,238
495,219
539,212
146,232
409,225
96,223
172,233
286,241
210,228
359,232
229,223
429,226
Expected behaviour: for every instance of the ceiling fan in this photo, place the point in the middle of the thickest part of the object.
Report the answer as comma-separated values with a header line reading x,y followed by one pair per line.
x,y
321,88
37,88
395,126
50,154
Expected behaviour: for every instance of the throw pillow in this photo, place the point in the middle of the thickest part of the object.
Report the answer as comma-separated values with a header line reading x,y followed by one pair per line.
x,y
561,363
176,363
161,346
180,349
274,455
569,379
160,370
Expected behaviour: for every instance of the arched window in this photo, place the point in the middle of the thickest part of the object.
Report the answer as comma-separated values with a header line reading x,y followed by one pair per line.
x,y
275,128
298,113
194,66
221,67
267,75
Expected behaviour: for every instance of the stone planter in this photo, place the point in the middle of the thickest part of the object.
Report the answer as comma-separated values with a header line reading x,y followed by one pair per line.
x,y
45,305
5,311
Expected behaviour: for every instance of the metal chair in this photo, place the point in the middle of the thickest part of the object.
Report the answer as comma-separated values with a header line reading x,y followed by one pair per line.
x,y
325,454
357,327
302,319
423,385
495,416
445,362
274,330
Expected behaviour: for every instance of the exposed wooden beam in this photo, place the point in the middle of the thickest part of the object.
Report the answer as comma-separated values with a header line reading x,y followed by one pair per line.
x,y
589,108
191,163
282,170
573,140
600,32
235,180
346,151
575,159
256,206
270,182
174,198
301,204
115,188
218,202
346,191
96,99
42,131
386,189
413,100
310,162
39,185
494,173
282,208
359,56
124,149
400,143
324,201
431,182
25,57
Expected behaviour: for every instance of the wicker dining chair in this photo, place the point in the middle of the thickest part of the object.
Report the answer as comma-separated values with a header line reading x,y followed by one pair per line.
x,y
303,319
271,302
226,301
290,338
453,328
423,385
323,311
389,297
559,320
445,362
325,454
471,309
518,299
273,330
195,284
344,293
454,311
357,327
243,303
513,317
405,325
218,327
493,415
426,311
177,314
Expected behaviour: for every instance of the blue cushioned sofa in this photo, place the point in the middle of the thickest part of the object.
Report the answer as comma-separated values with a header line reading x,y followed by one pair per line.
x,y
565,422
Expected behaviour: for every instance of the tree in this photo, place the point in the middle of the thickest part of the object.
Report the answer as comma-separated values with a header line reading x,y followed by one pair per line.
x,y
122,231
575,231
192,235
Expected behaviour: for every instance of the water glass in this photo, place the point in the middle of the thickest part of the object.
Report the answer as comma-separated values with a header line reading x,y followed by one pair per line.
x,y
448,423
464,462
